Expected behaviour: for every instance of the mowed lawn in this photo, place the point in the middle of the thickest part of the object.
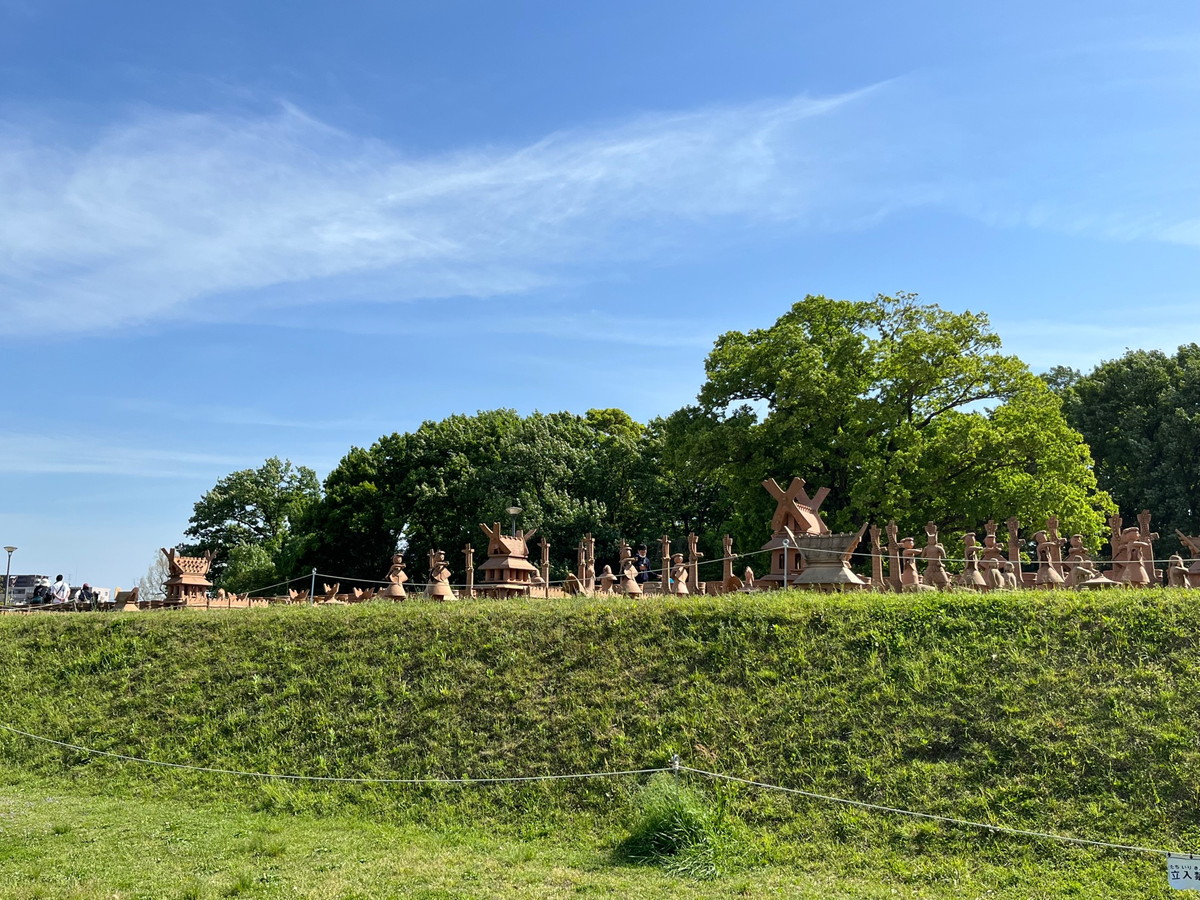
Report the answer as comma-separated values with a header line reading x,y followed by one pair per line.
x,y
59,844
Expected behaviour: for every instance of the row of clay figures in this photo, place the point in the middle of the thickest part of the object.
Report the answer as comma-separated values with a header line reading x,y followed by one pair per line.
x,y
508,572
988,566
681,577
803,552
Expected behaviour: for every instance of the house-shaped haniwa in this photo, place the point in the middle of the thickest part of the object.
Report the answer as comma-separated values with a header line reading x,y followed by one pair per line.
x,y
187,582
508,571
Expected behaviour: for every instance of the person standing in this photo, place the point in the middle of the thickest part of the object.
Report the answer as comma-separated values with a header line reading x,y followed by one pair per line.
x,y
60,591
641,562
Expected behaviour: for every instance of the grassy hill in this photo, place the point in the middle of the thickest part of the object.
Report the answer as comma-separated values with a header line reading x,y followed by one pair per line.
x,y
1055,712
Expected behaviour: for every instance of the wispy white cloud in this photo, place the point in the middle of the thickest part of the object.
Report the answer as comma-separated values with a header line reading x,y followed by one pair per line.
x,y
174,214
217,414
611,326
219,216
30,454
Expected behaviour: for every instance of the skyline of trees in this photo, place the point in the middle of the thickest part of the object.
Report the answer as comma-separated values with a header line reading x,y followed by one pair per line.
x,y
906,410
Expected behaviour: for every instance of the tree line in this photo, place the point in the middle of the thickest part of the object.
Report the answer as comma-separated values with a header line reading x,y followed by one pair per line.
x,y
906,410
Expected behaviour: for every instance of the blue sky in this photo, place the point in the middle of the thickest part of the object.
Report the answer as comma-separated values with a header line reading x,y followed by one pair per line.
x,y
233,230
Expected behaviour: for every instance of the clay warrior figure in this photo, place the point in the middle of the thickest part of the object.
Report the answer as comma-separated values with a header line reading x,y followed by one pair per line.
x,y
935,554
910,578
992,562
1047,552
396,577
439,577
972,576
679,575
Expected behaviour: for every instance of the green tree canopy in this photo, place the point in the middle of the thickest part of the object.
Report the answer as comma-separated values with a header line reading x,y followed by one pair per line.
x,y
252,508
430,489
1141,416
904,409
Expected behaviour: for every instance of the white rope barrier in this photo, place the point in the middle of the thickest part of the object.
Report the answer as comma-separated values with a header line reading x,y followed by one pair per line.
x,y
512,779
949,820
676,767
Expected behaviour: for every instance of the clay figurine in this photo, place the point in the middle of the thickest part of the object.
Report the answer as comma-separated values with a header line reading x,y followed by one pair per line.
x,y
607,580
1177,573
1047,574
396,577
679,575
439,577
935,554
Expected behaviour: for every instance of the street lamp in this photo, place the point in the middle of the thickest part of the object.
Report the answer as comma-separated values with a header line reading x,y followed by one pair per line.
x,y
8,574
514,511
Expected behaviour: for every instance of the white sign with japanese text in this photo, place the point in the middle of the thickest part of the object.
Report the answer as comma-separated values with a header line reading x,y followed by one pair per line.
x,y
1183,872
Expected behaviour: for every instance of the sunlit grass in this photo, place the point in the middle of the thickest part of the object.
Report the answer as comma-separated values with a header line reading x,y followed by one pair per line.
x,y
1058,712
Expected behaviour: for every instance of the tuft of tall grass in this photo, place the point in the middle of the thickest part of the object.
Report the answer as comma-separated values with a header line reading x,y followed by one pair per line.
x,y
677,828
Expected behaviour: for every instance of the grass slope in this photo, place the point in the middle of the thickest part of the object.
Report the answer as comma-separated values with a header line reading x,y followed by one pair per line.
x,y
1057,712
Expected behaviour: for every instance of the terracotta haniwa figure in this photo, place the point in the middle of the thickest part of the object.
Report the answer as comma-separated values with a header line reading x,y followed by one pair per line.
x,y
629,582
439,577
935,555
910,578
1082,572
1135,573
679,575
972,576
1080,561
607,580
1193,545
396,577
572,586
992,549
1011,580
1177,573
1047,573
992,571
748,578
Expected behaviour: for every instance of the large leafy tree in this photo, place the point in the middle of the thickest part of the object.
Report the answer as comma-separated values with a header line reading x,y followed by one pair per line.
x,y
904,409
1141,416
247,518
430,489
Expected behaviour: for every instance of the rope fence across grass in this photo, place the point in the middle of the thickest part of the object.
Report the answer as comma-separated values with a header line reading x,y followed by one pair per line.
x,y
676,767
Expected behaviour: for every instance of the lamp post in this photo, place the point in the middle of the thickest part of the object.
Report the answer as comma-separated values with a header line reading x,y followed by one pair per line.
x,y
8,574
514,511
